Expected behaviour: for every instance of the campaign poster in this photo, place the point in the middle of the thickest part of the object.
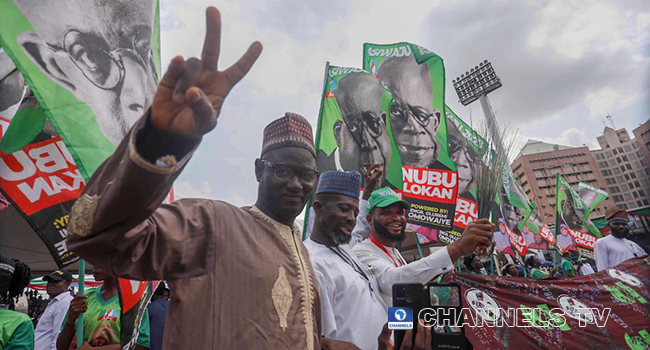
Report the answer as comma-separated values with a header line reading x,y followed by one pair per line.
x,y
415,77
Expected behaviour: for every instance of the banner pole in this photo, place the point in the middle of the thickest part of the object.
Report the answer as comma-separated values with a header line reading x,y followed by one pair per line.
x,y
80,320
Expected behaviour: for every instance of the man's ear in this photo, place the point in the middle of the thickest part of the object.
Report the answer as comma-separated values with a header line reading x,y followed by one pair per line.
x,y
369,219
337,132
46,57
259,169
318,207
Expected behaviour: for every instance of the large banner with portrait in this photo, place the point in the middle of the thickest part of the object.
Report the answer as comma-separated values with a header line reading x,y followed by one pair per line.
x,y
543,237
37,172
466,146
510,213
354,127
608,309
574,231
93,67
415,77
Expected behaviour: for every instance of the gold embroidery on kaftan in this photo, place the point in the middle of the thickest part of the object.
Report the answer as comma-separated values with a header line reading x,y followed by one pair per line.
x,y
82,214
282,297
304,277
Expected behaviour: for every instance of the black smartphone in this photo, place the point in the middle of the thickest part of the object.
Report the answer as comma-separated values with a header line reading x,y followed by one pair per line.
x,y
439,305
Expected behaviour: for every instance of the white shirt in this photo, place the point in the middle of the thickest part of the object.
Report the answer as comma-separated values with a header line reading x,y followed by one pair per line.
x,y
564,241
49,325
611,251
501,240
586,269
351,308
421,271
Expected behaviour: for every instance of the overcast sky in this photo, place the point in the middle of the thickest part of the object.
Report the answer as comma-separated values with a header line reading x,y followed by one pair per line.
x,y
564,66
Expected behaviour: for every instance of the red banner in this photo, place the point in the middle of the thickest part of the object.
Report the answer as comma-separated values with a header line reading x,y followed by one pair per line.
x,y
517,241
466,212
609,309
547,234
583,239
433,185
40,175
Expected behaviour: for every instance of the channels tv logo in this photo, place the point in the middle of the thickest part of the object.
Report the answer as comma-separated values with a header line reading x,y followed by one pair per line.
x,y
400,318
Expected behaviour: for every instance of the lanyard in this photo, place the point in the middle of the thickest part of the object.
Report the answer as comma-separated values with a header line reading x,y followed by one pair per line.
x,y
348,260
381,246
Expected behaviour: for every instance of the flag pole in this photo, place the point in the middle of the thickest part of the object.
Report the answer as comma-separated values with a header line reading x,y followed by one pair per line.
x,y
80,320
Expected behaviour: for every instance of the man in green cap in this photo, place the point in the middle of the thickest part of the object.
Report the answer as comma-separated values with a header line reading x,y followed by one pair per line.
x,y
387,221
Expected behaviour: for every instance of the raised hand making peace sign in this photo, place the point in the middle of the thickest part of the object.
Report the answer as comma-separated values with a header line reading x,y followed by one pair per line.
x,y
190,95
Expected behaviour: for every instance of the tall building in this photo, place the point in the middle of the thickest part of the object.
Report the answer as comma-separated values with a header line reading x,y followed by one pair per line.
x,y
538,163
624,167
642,137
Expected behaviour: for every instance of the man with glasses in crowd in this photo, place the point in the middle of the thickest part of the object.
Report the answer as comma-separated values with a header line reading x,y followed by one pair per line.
x,y
246,267
415,122
107,64
362,137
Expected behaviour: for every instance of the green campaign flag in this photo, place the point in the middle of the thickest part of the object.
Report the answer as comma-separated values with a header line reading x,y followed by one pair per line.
x,y
572,231
542,234
591,197
415,77
466,146
92,66
354,128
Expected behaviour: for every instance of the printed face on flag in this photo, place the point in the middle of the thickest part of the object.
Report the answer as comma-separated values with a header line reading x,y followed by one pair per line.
x,y
511,214
361,137
414,120
99,51
463,155
12,89
570,215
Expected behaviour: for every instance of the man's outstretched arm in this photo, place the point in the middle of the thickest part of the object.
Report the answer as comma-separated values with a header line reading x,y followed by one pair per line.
x,y
118,222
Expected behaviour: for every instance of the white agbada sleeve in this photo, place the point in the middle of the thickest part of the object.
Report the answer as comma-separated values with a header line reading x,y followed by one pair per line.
x,y
421,271
361,230
328,318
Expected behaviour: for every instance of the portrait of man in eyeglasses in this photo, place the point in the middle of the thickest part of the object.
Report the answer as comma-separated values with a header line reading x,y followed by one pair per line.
x,y
571,215
361,136
99,51
463,155
414,120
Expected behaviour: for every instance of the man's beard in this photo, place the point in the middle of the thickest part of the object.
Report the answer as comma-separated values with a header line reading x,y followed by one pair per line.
x,y
620,233
336,235
382,231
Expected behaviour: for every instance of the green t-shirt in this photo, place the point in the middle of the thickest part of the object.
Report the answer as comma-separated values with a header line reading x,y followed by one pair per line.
x,y
102,318
537,273
567,268
16,331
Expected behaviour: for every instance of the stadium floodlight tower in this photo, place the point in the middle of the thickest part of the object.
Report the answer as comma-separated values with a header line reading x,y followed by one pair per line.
x,y
476,84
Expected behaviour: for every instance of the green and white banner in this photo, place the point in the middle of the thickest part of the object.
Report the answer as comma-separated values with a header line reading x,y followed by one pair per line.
x,y
415,77
574,231
354,126
466,146
93,67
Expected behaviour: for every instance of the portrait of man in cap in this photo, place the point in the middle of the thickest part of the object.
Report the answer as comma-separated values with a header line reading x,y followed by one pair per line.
x,y
98,51
414,120
362,137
